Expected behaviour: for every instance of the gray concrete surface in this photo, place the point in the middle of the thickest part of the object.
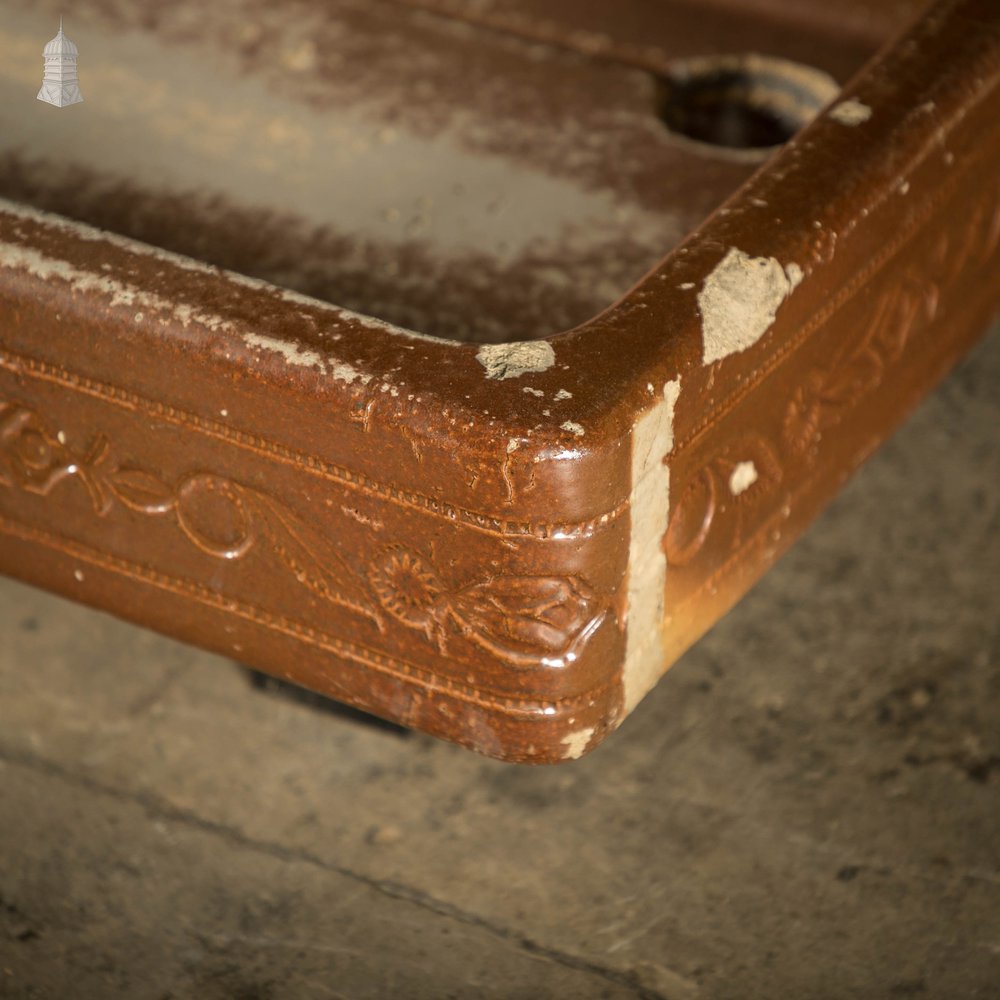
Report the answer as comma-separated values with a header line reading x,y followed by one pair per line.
x,y
807,806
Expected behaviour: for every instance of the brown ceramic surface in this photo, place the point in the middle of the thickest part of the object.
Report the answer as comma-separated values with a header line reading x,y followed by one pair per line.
x,y
502,542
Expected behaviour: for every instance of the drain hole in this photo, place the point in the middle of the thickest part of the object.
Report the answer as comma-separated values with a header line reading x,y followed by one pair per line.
x,y
748,103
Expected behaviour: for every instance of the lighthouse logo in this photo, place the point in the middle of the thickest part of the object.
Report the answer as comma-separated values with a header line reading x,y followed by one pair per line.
x,y
60,85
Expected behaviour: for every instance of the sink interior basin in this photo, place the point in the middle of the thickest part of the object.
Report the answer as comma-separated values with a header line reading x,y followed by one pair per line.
x,y
479,172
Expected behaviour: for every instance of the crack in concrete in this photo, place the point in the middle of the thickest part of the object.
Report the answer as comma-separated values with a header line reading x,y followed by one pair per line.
x,y
160,809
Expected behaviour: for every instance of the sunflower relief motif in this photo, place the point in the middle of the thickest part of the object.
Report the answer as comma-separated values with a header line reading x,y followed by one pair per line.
x,y
526,620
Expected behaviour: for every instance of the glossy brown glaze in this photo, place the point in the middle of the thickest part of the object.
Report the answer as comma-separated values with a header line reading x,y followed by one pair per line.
x,y
502,544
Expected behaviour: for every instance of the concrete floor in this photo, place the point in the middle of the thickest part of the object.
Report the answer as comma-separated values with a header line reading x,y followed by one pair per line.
x,y
807,806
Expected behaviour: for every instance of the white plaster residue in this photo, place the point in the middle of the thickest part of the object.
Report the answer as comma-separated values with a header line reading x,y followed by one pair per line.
x,y
739,300
573,428
122,293
850,112
652,440
512,360
533,392
576,743
292,354
512,445
343,372
561,395
743,476
118,292
295,355
82,231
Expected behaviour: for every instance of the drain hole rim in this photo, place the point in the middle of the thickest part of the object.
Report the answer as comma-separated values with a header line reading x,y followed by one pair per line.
x,y
765,90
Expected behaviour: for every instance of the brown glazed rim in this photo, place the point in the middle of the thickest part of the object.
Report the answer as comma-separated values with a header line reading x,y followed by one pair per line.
x,y
652,333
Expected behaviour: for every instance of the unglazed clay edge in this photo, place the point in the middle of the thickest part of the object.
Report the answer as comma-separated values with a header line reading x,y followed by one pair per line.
x,y
652,440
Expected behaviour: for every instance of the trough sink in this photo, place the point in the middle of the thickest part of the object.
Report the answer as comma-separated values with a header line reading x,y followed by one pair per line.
x,y
466,360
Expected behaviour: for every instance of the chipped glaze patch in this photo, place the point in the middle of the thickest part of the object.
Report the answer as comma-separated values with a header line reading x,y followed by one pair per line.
x,y
573,428
517,358
739,300
743,476
576,743
850,112
649,501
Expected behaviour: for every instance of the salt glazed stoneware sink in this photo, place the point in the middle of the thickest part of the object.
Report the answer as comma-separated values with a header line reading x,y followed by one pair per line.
x,y
465,360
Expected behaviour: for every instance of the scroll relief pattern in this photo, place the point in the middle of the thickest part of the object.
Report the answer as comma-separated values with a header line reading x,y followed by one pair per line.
x,y
824,396
527,621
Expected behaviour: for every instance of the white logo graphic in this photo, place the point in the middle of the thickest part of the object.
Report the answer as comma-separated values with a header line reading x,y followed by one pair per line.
x,y
60,86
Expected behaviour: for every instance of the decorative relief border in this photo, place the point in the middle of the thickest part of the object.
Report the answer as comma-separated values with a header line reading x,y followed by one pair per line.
x,y
827,393
695,516
525,621
369,658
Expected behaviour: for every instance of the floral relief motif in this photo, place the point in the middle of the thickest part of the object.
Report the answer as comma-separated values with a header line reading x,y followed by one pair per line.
x,y
223,518
714,489
820,400
527,621
692,518
515,618
31,457
825,395
407,589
